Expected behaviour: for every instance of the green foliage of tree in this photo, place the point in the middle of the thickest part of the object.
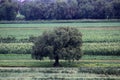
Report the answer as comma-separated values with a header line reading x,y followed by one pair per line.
x,y
8,10
71,9
60,9
116,9
61,43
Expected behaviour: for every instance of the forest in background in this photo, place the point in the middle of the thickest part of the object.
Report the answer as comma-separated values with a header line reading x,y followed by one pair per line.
x,y
59,9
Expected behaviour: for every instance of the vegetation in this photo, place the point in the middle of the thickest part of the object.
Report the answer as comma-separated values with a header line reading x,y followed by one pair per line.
x,y
96,40
49,63
58,73
22,32
70,9
8,39
17,48
62,21
28,57
87,48
61,43
19,57
8,10
100,46
60,9
97,20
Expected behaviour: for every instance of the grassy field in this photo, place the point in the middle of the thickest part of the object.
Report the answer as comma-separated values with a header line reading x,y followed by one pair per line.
x,y
89,34
28,57
92,32
101,42
23,73
49,63
63,24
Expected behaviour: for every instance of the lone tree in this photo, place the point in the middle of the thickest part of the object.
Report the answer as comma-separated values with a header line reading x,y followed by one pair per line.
x,y
61,43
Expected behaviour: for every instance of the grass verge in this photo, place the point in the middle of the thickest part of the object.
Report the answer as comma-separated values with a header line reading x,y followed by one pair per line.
x,y
48,63
28,57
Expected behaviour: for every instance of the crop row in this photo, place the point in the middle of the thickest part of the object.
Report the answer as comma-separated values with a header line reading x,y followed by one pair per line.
x,y
87,48
59,73
17,48
96,70
101,48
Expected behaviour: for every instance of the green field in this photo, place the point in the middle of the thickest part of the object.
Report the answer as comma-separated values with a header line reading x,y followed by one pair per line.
x,y
64,23
101,42
28,57
35,73
89,34
104,48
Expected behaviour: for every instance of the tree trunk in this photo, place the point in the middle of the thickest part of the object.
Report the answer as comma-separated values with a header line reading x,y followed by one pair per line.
x,y
56,64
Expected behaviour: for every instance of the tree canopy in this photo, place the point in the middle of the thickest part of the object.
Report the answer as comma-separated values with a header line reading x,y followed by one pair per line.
x,y
61,43
62,9
8,10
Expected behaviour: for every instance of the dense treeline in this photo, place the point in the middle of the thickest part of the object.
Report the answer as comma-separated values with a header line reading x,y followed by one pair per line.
x,y
60,9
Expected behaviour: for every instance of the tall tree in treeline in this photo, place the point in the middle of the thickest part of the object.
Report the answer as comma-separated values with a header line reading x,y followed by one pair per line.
x,y
8,10
116,9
